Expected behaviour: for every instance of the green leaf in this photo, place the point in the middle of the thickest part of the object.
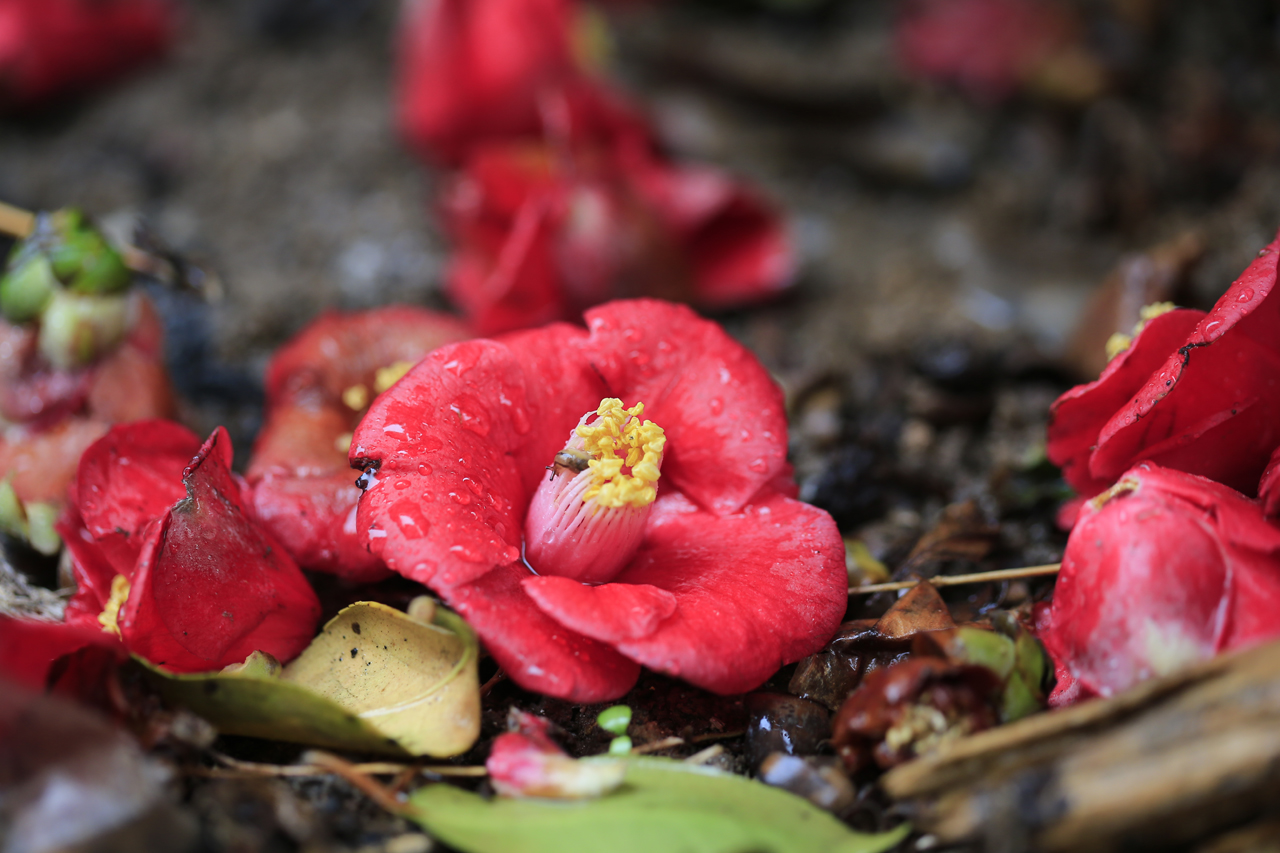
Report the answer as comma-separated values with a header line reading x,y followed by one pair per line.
x,y
375,680
663,805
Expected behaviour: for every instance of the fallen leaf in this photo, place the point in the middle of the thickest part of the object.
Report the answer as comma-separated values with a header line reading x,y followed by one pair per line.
x,y
375,679
663,805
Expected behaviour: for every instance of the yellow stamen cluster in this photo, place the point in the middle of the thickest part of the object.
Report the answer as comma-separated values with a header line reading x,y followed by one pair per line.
x,y
356,397
1119,342
617,440
111,613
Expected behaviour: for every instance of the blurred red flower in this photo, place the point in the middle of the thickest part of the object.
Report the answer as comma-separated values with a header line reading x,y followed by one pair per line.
x,y
166,555
1164,569
727,576
50,48
318,386
545,232
53,414
1195,392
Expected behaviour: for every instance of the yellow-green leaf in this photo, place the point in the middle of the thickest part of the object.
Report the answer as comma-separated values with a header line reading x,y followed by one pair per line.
x,y
375,679
662,805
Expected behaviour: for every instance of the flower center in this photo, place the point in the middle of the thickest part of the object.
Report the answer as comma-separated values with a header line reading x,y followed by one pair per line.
x,y
588,516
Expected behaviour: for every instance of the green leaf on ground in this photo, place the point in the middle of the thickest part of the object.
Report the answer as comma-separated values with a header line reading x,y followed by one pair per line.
x,y
662,805
375,679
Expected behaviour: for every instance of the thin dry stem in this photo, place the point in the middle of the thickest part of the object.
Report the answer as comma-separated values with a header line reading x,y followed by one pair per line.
x,y
957,580
15,221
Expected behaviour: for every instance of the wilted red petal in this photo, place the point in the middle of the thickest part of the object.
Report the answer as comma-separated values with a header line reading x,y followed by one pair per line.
x,y
211,585
537,652
1214,407
468,71
1078,416
753,591
519,285
42,464
736,244
131,383
127,479
32,646
303,488
1269,487
724,417
1171,569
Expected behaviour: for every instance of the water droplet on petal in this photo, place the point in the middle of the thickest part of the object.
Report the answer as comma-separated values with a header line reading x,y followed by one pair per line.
x,y
716,405
401,485
424,469
460,498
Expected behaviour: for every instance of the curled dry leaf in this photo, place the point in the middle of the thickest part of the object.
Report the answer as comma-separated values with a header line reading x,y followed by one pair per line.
x,y
375,679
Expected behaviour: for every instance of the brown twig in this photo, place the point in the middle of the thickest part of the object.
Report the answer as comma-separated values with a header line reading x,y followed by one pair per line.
x,y
957,580
492,682
15,221
376,768
657,745
365,783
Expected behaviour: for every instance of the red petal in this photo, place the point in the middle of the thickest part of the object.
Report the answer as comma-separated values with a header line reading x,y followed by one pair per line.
x,y
610,612
127,479
211,585
724,417
304,491
736,243
448,501
470,71
1269,487
1214,407
538,653
32,646
1078,416
519,285
41,465
753,591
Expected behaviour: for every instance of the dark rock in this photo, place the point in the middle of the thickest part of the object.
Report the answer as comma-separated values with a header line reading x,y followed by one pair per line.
x,y
780,723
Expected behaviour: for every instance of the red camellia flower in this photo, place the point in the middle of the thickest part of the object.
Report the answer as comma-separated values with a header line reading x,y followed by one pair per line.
x,y
166,555
55,47
582,537
547,231
1162,570
318,386
1196,392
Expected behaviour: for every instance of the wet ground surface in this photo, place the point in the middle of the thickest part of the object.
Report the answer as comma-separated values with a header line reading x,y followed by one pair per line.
x,y
950,250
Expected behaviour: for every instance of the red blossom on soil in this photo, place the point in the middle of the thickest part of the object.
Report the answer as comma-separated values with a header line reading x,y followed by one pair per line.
x,y
166,554
1195,392
303,490
526,762
545,233
56,47
52,415
1163,570
987,47
732,577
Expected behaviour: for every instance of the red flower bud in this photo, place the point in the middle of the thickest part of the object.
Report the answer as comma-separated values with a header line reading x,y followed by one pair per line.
x,y
1162,570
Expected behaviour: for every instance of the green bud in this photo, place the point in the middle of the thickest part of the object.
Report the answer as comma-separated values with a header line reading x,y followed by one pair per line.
x,y
615,720
75,330
620,745
1019,700
27,288
82,258
12,519
40,532
983,648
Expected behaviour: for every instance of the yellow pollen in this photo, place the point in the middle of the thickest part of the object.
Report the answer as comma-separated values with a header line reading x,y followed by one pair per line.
x,y
1119,342
390,375
617,440
119,594
356,397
